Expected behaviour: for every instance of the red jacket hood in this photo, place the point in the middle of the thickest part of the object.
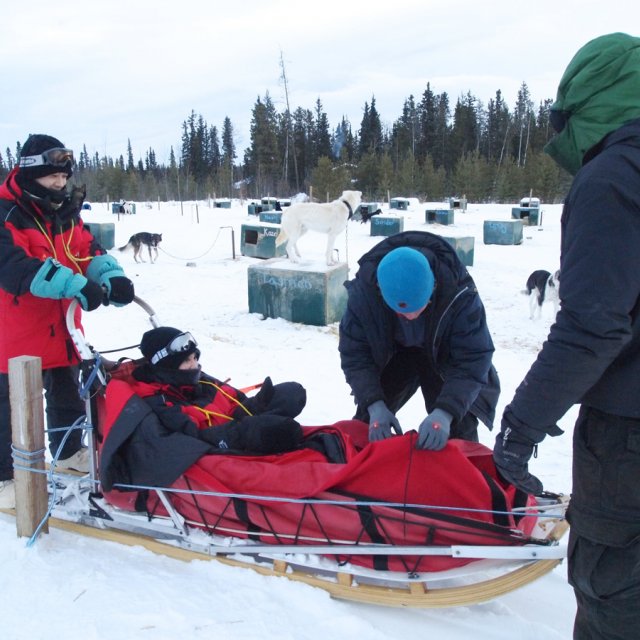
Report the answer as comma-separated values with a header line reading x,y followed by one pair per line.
x,y
10,189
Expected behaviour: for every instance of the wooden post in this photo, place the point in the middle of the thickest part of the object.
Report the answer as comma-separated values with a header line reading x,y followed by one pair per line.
x,y
27,427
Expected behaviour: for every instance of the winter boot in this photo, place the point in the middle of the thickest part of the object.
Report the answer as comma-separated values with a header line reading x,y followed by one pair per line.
x,y
79,461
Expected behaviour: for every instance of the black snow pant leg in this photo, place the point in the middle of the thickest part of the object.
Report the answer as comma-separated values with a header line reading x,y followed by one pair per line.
x,y
6,463
400,380
604,513
606,583
63,407
466,429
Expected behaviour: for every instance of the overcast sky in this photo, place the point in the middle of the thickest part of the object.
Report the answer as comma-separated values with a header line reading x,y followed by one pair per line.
x,y
99,72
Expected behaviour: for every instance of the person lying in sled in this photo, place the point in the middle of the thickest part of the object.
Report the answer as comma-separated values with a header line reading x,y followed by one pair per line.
x,y
169,411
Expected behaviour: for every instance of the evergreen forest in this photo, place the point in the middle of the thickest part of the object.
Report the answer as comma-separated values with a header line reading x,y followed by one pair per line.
x,y
433,150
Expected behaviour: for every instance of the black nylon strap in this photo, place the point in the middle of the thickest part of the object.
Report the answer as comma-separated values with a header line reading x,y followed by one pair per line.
x,y
348,207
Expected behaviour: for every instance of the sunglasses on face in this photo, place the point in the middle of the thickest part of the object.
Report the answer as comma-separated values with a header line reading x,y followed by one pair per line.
x,y
180,344
57,157
558,119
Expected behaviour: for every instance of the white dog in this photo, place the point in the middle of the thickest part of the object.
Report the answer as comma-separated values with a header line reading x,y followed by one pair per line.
x,y
541,286
330,218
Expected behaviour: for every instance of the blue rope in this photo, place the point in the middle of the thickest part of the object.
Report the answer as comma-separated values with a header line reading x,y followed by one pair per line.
x,y
78,424
84,389
356,503
30,458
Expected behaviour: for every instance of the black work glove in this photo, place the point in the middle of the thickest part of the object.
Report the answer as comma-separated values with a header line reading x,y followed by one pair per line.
x,y
264,434
511,457
90,296
122,291
260,402
270,434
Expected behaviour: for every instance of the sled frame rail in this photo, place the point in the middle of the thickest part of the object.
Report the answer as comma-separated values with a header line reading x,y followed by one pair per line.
x,y
344,584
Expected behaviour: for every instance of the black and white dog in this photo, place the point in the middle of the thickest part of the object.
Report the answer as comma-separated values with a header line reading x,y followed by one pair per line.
x,y
365,216
143,239
541,286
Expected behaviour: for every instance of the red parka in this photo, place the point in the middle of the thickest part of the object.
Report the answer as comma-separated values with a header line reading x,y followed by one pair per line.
x,y
28,236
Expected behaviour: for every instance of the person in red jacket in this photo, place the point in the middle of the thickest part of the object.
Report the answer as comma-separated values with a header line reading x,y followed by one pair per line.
x,y
48,259
168,413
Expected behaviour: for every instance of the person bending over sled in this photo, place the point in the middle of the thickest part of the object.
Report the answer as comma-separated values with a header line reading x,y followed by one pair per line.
x,y
173,413
414,320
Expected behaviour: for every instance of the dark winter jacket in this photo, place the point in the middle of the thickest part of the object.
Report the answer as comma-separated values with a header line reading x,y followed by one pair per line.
x,y
154,430
28,236
592,355
457,341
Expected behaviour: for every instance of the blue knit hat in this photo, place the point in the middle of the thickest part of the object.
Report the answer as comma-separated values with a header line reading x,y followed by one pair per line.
x,y
405,279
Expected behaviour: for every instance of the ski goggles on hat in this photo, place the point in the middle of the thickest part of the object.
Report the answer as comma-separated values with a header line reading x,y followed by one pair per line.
x,y
182,343
57,157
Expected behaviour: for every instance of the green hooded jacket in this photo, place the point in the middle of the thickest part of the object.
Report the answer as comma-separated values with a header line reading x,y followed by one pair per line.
x,y
598,93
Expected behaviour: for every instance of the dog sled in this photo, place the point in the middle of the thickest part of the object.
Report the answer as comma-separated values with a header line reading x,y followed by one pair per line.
x,y
380,523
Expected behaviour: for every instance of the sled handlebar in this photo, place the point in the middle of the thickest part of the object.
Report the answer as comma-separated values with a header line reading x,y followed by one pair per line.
x,y
84,349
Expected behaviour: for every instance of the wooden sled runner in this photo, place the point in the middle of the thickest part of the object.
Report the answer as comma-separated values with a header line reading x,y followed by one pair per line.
x,y
433,557
486,582
503,569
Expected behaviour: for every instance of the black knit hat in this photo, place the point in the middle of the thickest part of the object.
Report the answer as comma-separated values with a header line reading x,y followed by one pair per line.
x,y
155,347
37,144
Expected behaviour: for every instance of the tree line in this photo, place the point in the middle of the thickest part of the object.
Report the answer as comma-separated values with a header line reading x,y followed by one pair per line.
x,y
433,150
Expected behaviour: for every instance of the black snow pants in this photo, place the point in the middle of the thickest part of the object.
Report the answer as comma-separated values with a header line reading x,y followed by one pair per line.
x,y
407,372
604,542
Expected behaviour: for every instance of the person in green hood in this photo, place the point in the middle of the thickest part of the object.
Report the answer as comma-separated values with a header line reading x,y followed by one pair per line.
x,y
592,354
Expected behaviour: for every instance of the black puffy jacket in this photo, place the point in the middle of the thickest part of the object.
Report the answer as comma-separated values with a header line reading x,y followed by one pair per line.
x,y
592,354
457,340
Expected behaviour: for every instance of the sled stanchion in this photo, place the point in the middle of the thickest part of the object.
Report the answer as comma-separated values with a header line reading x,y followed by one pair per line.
x,y
27,427
153,318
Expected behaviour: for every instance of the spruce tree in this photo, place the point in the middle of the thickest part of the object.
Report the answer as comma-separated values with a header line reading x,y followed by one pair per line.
x,y
262,159
427,128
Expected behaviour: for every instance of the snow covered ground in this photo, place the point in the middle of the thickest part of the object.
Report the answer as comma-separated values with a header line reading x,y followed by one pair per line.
x,y
80,589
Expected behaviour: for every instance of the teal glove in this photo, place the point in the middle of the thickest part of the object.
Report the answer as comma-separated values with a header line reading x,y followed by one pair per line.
x,y
54,280
107,272
434,430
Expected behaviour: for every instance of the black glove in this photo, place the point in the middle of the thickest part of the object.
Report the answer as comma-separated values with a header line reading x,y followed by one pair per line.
x,y
511,458
263,434
122,291
259,402
105,271
90,296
